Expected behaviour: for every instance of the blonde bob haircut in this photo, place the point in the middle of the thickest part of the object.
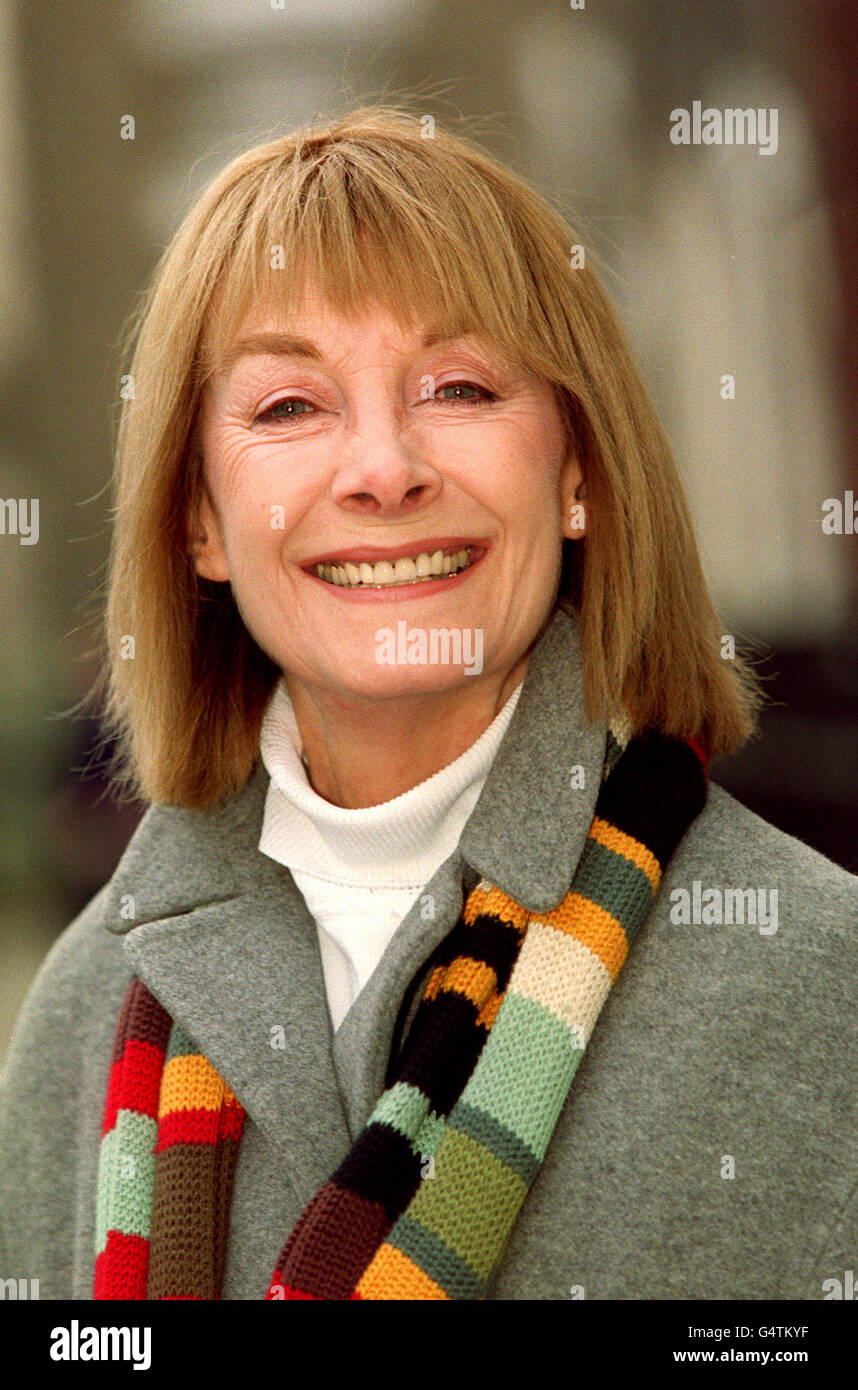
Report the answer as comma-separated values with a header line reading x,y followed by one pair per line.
x,y
433,229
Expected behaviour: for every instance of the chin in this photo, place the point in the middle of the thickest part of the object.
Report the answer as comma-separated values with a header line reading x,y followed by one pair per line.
x,y
390,682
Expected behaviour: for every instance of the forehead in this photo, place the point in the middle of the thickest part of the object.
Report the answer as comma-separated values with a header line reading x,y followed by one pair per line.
x,y
318,329
316,324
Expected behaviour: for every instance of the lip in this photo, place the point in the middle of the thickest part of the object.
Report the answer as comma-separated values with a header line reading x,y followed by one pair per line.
x,y
400,593
372,553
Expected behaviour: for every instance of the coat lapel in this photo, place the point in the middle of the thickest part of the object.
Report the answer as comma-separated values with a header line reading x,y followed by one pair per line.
x,y
222,937
363,1040
527,830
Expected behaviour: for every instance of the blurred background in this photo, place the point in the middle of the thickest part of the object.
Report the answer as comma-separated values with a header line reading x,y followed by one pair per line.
x,y
722,261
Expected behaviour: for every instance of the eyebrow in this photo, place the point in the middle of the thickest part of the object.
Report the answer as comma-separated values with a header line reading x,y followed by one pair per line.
x,y
291,345
272,345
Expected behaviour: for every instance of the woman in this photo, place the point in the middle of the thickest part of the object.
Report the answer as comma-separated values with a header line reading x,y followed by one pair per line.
x,y
410,650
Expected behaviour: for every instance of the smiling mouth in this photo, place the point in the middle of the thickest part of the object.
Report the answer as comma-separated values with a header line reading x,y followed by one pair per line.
x,y
407,569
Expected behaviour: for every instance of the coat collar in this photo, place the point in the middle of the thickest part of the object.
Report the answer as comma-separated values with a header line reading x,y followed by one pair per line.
x,y
221,935
527,830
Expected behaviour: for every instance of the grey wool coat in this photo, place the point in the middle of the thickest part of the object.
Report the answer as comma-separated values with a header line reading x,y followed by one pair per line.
x,y
709,1144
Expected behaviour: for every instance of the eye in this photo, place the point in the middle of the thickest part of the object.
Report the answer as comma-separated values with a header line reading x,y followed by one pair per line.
x,y
284,409
458,398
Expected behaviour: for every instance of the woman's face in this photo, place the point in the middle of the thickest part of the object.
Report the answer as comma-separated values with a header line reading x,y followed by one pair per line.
x,y
328,448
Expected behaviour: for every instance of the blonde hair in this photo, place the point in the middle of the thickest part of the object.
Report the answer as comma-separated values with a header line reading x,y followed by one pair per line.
x,y
435,230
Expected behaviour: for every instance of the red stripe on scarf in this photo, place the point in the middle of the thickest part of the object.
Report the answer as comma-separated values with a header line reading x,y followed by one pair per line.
x,y
121,1268
134,1082
200,1126
187,1127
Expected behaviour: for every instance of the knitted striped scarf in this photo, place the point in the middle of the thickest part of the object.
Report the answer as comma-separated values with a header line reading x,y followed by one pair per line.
x,y
423,1205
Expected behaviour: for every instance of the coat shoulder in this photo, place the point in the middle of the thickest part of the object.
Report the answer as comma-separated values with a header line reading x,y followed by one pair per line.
x,y
731,846
52,1089
84,959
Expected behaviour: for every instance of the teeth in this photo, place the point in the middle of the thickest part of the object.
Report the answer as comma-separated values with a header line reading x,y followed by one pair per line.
x,y
407,570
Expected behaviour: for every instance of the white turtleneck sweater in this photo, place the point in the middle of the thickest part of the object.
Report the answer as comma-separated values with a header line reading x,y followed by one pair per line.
x,y
359,871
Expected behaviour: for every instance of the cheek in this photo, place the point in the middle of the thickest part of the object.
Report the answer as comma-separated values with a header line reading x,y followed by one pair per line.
x,y
253,505
524,494
522,463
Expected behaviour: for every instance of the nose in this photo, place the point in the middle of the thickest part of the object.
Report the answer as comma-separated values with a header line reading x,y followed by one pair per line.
x,y
382,472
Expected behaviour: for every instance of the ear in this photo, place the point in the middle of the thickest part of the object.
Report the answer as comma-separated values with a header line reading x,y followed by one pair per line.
x,y
573,491
206,541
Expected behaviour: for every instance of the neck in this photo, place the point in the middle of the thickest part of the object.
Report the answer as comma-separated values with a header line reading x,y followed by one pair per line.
x,y
360,752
